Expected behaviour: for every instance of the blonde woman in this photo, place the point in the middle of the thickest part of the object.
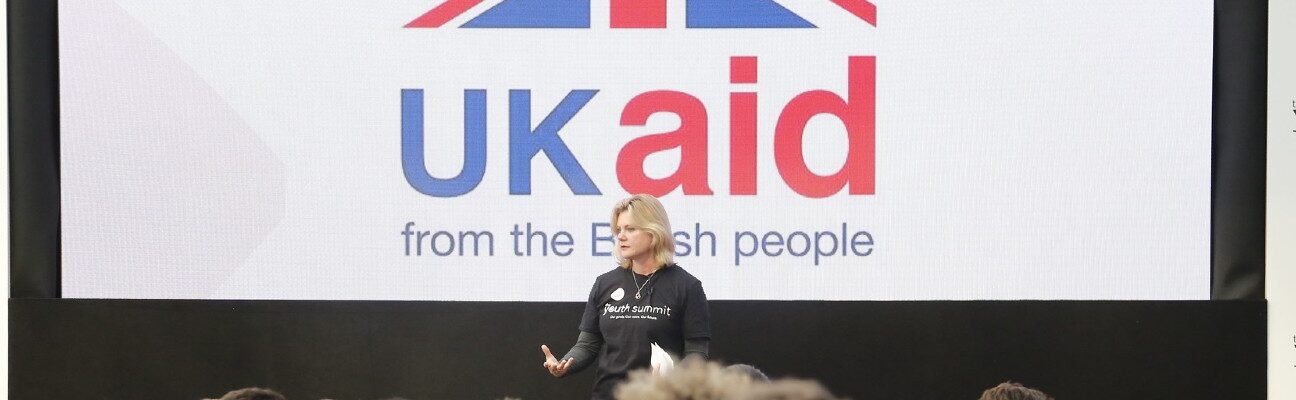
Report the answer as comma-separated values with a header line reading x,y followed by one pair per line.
x,y
647,299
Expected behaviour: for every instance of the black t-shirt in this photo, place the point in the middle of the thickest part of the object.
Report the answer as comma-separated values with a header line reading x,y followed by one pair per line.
x,y
672,307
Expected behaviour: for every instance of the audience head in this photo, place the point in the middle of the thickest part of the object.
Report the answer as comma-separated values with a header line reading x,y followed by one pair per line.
x,y
1013,391
252,393
699,380
747,369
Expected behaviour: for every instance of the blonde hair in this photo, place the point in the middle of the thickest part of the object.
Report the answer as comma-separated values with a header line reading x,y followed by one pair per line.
x,y
693,379
1013,391
649,216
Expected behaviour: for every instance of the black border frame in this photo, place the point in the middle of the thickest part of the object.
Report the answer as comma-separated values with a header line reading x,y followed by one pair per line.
x,y
34,210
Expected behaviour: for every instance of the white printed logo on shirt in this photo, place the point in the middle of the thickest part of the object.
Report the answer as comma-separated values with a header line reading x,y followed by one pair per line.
x,y
618,294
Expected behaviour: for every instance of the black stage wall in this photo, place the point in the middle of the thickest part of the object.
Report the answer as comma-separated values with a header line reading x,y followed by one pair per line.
x,y
167,349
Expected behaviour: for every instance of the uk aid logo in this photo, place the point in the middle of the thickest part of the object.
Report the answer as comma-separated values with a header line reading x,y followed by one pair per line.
x,y
855,110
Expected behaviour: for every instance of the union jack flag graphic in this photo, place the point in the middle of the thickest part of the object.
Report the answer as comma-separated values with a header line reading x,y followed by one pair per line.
x,y
650,14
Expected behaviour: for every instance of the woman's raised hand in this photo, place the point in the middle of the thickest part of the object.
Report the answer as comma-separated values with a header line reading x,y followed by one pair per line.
x,y
555,367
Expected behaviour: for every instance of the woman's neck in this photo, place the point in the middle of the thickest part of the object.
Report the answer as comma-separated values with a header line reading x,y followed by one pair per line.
x,y
645,267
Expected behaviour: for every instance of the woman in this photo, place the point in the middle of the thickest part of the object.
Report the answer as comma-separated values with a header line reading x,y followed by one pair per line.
x,y
647,299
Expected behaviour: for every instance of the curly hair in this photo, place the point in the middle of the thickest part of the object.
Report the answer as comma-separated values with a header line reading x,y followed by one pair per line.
x,y
1013,391
252,393
697,380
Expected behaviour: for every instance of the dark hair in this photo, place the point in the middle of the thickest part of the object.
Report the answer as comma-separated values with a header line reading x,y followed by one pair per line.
x,y
1013,391
252,393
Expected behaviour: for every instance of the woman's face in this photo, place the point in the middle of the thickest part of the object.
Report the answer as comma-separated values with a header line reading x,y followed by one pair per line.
x,y
633,243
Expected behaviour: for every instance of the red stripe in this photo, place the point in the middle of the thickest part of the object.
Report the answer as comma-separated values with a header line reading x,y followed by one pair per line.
x,y
443,13
861,8
638,13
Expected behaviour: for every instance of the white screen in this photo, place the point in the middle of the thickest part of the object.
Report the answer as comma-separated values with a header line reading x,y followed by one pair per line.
x,y
260,150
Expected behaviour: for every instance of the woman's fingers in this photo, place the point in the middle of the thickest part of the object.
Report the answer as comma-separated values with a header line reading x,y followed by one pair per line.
x,y
548,356
551,363
557,368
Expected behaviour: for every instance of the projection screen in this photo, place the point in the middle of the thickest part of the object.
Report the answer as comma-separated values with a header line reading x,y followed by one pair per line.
x,y
473,149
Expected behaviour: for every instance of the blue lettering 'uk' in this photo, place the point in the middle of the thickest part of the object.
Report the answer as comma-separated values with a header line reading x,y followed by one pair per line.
x,y
412,153
525,143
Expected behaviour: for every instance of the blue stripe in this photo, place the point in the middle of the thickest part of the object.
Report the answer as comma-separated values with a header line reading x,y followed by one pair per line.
x,y
742,14
534,14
